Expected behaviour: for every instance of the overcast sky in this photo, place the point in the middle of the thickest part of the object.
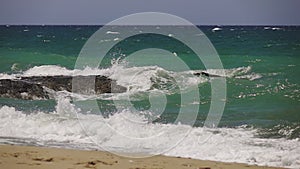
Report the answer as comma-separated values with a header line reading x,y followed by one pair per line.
x,y
201,12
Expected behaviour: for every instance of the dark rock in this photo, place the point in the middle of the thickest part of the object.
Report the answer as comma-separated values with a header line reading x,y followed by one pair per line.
x,y
34,87
206,74
21,89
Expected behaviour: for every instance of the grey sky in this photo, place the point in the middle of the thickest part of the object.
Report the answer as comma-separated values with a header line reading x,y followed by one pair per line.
x,y
203,12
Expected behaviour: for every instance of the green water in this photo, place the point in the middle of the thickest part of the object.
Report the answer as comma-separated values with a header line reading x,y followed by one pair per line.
x,y
270,101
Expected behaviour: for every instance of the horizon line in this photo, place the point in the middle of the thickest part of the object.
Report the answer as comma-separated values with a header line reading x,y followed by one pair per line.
x,y
220,25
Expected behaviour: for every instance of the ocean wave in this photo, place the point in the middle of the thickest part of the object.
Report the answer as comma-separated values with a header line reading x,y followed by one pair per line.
x,y
142,79
289,131
134,132
118,71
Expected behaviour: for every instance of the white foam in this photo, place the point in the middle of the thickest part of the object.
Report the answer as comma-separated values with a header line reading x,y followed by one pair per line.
x,y
273,28
14,67
134,78
52,70
251,77
47,70
239,72
138,135
276,28
7,76
216,29
139,79
111,32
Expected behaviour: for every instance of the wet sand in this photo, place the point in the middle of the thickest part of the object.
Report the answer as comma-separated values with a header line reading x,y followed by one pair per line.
x,y
28,157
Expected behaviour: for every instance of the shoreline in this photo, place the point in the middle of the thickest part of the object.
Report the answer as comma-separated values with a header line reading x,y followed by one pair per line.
x,y
30,157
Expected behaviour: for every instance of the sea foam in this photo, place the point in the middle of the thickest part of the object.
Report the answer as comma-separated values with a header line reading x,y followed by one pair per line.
x,y
131,132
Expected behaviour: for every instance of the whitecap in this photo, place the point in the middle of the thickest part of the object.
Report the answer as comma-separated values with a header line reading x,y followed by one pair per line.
x,y
216,29
111,32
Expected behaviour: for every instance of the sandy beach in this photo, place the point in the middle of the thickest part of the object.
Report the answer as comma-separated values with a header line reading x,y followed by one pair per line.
x,y
28,157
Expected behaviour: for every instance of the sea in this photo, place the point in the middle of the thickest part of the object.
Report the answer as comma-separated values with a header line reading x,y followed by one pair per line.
x,y
260,123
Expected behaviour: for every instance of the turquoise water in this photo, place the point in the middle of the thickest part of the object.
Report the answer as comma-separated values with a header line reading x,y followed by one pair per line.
x,y
274,54
262,64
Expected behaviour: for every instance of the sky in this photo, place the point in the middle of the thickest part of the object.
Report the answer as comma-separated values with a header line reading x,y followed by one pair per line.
x,y
100,12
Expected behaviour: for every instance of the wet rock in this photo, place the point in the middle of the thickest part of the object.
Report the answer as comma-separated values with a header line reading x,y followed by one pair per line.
x,y
35,86
206,74
21,89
